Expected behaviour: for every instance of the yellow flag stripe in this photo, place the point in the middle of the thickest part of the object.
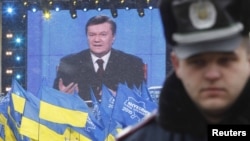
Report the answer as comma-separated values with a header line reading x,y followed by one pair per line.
x,y
18,103
62,115
3,119
47,134
9,135
29,128
36,131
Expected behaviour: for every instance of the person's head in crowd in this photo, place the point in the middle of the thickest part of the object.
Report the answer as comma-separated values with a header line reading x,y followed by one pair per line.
x,y
210,52
100,31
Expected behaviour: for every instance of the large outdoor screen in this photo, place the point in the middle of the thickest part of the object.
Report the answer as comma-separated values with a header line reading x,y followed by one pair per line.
x,y
51,39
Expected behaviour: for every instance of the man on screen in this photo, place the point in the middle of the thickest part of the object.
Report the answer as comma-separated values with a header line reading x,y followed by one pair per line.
x,y
84,70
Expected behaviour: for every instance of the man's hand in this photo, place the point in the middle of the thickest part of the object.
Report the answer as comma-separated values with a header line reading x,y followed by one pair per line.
x,y
70,89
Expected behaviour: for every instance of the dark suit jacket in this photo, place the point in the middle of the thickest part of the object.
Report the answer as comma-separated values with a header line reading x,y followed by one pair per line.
x,y
78,68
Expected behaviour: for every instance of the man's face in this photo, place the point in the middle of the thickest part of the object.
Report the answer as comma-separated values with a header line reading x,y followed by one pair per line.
x,y
100,38
214,80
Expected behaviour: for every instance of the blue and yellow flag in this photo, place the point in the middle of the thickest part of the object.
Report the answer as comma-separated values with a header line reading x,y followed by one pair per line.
x,y
94,128
15,109
34,127
73,135
8,133
4,103
2,135
17,102
62,108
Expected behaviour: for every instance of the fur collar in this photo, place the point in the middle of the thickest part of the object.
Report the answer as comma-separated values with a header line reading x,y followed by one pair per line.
x,y
178,113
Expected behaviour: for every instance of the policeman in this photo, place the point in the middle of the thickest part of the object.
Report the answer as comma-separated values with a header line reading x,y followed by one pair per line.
x,y
209,83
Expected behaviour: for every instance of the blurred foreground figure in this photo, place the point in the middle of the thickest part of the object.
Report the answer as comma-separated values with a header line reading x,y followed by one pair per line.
x,y
209,83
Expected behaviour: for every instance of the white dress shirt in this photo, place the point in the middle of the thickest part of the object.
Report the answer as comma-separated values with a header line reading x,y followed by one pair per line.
x,y
104,58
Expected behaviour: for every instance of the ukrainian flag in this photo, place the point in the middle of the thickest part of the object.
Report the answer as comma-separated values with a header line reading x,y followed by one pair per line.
x,y
38,129
62,108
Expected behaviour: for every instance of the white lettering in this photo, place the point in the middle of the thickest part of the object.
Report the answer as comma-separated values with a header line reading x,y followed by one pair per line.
x,y
216,132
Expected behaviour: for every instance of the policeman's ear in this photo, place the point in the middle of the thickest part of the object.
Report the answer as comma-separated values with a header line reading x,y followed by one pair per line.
x,y
176,64
174,61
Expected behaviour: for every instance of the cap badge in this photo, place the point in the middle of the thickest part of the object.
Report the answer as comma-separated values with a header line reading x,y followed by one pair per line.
x,y
202,14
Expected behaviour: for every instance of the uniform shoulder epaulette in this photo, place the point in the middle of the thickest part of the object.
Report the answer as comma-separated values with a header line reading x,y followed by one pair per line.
x,y
131,129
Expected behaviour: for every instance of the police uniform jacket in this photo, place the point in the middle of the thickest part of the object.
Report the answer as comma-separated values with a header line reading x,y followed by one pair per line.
x,y
179,120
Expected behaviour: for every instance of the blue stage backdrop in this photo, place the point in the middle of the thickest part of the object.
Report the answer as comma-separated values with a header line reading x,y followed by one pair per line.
x,y
49,40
